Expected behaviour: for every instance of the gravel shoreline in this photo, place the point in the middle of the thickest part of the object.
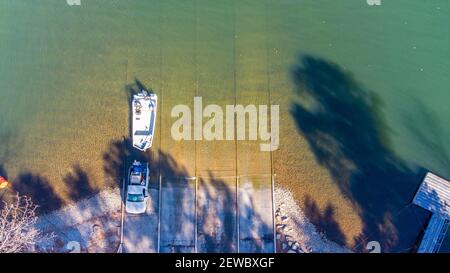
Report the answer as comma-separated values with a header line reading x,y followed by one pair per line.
x,y
295,233
94,225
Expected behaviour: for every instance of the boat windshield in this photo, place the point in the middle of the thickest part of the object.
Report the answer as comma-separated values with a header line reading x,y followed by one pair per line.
x,y
136,179
135,198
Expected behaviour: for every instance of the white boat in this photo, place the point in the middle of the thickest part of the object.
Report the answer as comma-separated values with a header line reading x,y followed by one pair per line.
x,y
144,119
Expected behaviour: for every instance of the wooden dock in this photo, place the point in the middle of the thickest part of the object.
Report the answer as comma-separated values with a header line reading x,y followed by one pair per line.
x,y
434,196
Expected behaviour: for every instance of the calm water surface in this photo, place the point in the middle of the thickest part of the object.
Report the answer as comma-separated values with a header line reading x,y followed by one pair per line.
x,y
63,72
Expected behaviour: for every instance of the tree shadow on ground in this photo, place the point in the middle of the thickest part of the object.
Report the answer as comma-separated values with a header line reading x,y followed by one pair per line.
x,y
324,220
67,223
217,230
346,131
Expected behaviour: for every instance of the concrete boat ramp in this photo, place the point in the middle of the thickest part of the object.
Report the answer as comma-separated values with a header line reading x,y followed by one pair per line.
x,y
140,232
216,215
201,214
177,217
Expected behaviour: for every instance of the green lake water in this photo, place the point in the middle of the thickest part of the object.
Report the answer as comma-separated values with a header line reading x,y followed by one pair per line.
x,y
63,71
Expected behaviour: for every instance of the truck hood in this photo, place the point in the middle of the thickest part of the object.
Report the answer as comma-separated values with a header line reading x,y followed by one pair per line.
x,y
136,207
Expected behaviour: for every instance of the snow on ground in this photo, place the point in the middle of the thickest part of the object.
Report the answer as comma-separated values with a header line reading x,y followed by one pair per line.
x,y
295,234
90,225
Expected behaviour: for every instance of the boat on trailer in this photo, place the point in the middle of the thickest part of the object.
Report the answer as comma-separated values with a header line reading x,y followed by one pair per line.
x,y
144,118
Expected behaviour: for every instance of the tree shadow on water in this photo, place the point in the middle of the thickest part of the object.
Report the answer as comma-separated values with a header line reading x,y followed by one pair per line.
x,y
3,172
345,129
118,158
39,189
76,186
